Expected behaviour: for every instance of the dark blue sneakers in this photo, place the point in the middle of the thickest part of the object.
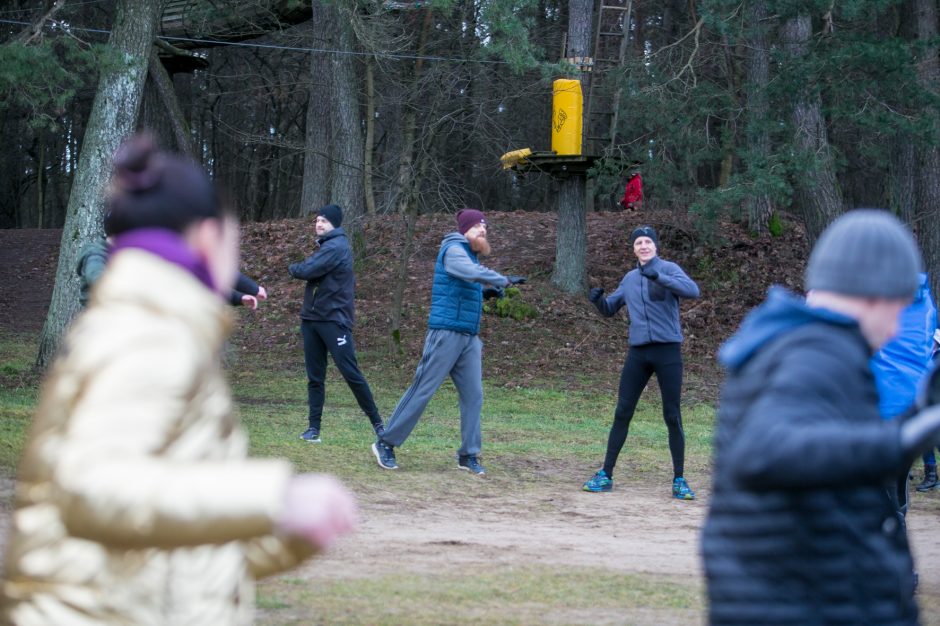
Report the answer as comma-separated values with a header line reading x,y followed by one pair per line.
x,y
471,464
311,435
385,455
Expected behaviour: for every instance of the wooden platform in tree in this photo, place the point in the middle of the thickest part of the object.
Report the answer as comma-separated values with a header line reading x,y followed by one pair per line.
x,y
557,165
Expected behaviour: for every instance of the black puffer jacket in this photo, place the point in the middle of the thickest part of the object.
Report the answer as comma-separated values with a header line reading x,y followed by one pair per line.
x,y
801,529
331,286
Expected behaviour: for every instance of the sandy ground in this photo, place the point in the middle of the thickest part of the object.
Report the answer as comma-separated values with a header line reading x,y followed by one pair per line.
x,y
636,529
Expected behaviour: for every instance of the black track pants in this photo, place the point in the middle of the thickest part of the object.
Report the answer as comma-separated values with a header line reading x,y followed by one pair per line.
x,y
321,338
664,360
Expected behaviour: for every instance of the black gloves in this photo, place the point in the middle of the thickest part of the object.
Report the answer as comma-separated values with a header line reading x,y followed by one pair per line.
x,y
516,280
649,272
492,292
595,294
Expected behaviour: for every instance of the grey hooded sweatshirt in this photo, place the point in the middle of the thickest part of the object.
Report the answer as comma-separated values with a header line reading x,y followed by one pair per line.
x,y
653,305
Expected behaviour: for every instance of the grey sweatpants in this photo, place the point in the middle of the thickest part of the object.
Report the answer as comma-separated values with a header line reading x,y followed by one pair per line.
x,y
445,352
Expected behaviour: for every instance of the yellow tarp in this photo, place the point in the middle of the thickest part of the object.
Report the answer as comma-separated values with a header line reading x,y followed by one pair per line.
x,y
514,158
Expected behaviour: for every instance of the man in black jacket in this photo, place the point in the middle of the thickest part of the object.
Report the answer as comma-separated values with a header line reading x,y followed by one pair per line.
x,y
801,526
327,317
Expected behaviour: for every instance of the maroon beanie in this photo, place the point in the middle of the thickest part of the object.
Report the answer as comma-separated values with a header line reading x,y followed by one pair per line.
x,y
468,218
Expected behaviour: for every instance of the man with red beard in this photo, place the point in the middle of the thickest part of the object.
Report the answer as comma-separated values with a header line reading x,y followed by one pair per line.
x,y
451,345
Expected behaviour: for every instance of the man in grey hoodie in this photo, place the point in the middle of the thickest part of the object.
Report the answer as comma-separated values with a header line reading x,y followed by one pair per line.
x,y
651,293
451,346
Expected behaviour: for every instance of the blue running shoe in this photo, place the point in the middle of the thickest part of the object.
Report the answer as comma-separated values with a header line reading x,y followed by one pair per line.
x,y
599,482
681,490
311,435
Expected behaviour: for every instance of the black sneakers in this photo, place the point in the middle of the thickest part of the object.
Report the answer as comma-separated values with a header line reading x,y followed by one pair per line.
x,y
379,429
471,464
311,435
384,454
930,479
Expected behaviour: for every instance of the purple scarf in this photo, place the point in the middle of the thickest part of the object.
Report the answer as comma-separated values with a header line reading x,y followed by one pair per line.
x,y
169,246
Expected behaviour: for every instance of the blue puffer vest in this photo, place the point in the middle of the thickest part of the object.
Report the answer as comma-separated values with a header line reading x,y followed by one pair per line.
x,y
455,304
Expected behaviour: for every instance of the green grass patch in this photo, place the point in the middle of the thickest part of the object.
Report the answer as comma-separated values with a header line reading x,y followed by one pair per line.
x,y
542,422
522,428
501,594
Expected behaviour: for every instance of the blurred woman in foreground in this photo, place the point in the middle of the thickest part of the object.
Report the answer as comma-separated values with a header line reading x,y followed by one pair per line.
x,y
136,502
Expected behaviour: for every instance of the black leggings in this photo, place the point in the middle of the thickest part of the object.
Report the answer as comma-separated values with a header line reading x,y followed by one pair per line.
x,y
665,360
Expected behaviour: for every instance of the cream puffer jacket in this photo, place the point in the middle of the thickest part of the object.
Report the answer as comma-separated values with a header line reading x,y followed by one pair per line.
x,y
136,503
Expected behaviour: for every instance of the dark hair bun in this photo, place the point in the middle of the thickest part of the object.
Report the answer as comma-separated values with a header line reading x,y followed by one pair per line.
x,y
137,164
155,189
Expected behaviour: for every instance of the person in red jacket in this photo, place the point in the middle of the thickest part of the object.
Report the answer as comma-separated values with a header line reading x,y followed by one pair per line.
x,y
633,193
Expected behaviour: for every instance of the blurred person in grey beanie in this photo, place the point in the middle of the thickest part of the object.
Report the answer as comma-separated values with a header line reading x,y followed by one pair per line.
x,y
452,346
802,527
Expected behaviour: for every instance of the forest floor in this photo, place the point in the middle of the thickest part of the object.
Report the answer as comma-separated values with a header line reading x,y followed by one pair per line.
x,y
528,519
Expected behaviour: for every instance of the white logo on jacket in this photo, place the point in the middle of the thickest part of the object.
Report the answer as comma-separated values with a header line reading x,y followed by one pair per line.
x,y
341,341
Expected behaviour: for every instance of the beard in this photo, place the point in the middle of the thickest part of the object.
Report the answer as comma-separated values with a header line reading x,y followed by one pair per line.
x,y
480,245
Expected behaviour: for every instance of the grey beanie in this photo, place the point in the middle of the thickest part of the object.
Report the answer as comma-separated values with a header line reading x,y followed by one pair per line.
x,y
868,253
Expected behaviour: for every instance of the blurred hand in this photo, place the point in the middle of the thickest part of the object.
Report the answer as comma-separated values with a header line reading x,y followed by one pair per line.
x,y
516,280
595,294
250,301
262,293
317,508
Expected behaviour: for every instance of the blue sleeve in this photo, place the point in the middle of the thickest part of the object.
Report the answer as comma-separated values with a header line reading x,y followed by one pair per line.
x,y
614,302
678,282
245,285
459,265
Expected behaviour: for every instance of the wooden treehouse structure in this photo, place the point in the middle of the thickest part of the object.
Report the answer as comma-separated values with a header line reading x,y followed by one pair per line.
x,y
585,109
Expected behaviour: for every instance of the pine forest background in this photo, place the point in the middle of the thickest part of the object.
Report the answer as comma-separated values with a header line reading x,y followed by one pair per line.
x,y
749,111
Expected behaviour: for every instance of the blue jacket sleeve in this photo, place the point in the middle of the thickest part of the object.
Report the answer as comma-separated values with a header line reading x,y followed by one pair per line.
x,y
458,264
245,285
614,302
678,282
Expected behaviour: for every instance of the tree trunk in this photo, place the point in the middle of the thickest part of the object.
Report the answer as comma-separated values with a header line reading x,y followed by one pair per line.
x,y
406,191
571,239
758,205
570,274
401,277
162,84
927,218
903,178
315,190
369,147
817,190
348,141
113,118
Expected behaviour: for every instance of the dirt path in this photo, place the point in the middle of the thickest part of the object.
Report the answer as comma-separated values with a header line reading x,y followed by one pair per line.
x,y
637,529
